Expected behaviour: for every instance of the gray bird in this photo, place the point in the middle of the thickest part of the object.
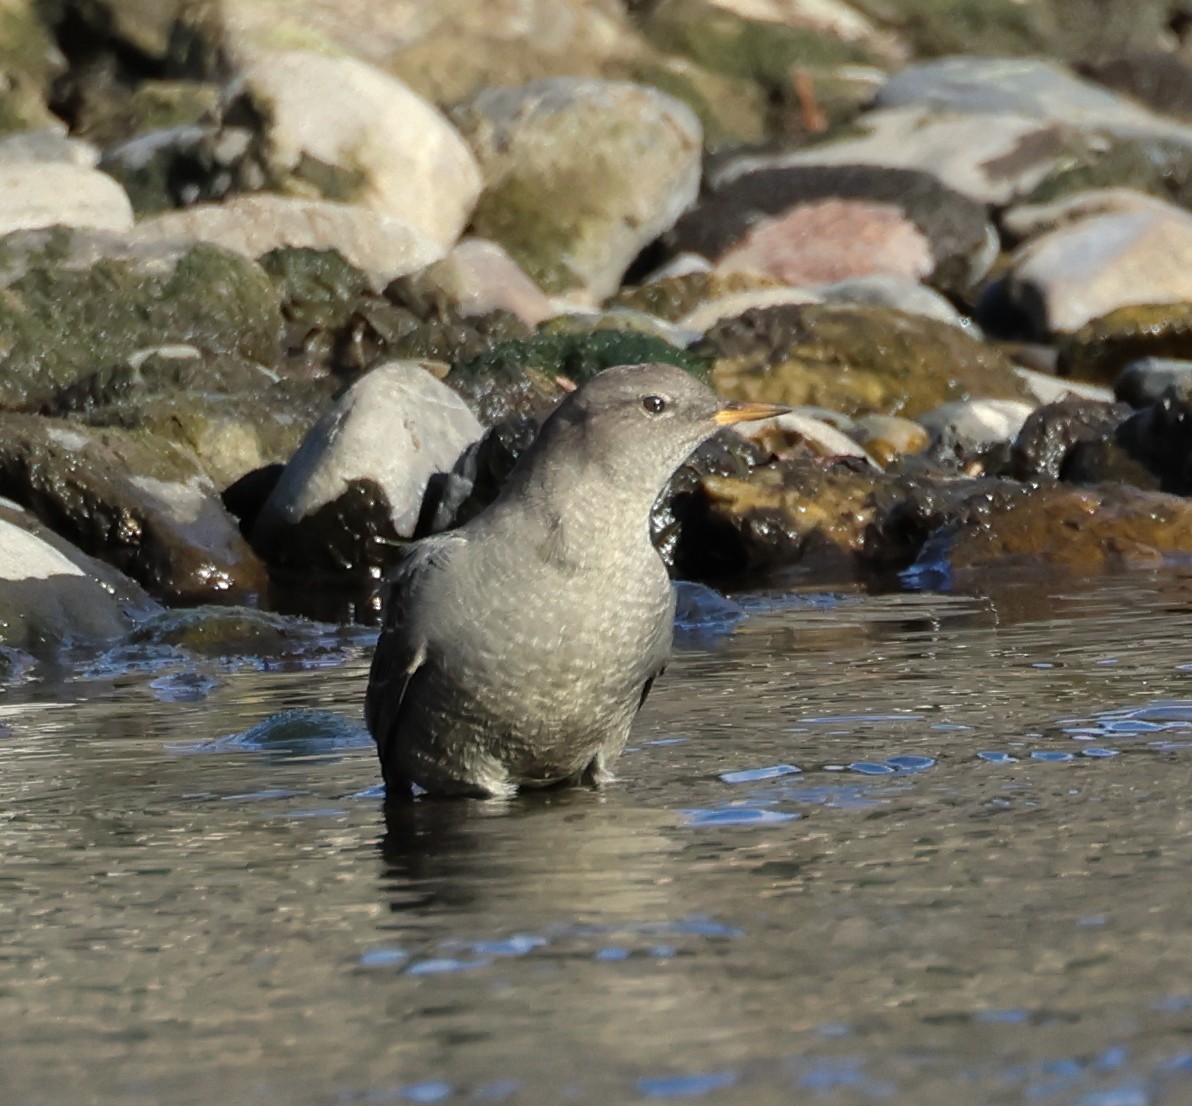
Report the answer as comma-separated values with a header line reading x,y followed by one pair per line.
x,y
516,650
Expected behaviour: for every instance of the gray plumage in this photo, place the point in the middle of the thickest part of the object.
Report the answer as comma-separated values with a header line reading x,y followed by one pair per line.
x,y
516,650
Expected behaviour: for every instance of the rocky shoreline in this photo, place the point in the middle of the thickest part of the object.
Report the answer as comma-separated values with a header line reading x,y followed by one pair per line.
x,y
285,285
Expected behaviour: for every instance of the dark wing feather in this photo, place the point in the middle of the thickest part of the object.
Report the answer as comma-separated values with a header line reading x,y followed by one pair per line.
x,y
401,647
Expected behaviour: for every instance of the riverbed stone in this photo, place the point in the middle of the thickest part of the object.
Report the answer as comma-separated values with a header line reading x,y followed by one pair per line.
x,y
1032,220
136,501
820,224
1101,348
1082,530
991,159
353,490
234,415
171,167
57,193
1149,379
75,301
1048,436
1158,166
1065,278
856,360
888,437
579,175
966,426
383,245
675,295
337,128
476,278
52,593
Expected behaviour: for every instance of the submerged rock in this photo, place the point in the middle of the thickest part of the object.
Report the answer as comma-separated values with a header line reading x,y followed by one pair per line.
x,y
353,491
856,360
53,594
580,175
138,502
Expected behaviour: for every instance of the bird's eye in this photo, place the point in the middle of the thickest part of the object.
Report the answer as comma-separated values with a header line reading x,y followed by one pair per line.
x,y
653,405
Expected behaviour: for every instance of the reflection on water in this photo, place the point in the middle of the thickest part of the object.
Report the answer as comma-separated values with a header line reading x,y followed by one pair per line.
x,y
914,848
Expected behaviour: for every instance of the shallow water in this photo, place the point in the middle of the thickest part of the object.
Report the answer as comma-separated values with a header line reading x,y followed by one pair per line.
x,y
909,848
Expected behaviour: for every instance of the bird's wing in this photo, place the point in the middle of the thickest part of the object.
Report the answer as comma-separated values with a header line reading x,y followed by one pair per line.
x,y
402,646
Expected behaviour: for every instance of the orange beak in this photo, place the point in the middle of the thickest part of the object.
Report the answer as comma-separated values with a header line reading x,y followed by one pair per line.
x,y
748,412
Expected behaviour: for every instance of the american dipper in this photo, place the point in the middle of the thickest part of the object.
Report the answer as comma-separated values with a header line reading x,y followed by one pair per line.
x,y
516,650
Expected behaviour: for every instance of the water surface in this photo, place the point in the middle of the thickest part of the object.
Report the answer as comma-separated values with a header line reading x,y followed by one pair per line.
x,y
906,848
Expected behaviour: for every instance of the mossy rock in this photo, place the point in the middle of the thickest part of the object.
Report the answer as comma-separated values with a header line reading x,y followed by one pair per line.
x,y
26,44
1162,168
319,288
1100,349
673,297
76,301
853,359
519,377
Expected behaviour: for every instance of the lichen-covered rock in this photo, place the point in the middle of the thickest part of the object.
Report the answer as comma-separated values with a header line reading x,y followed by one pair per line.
x,y
339,129
76,301
353,490
819,224
856,360
138,502
384,245
53,594
1100,349
1064,278
579,175
522,376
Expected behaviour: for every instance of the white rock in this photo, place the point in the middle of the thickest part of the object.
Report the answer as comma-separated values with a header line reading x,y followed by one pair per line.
x,y
410,162
381,245
37,194
977,422
396,426
1047,388
823,439
1078,273
710,312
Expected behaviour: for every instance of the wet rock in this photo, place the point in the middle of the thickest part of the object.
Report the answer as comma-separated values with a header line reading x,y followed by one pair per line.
x,y
1079,529
58,193
1046,387
1149,379
991,159
383,245
77,300
1159,437
802,431
888,437
54,594
354,489
1044,444
570,220
1100,349
820,224
476,278
965,427
526,377
1065,278
234,415
137,502
855,360
339,129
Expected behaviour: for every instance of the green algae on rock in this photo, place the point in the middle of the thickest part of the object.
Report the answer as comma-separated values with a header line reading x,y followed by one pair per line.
x,y
855,360
1101,348
673,297
76,300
